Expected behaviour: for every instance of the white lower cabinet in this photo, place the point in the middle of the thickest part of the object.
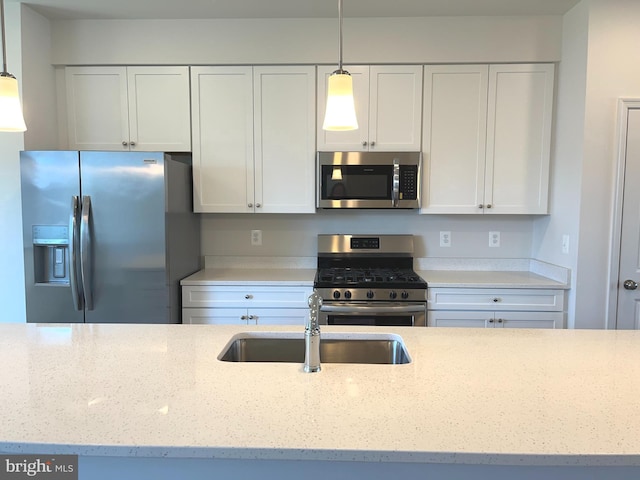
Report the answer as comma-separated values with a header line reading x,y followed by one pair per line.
x,y
245,305
496,308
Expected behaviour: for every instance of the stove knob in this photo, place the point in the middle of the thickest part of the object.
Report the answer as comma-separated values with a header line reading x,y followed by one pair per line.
x,y
392,295
336,294
370,294
347,294
405,295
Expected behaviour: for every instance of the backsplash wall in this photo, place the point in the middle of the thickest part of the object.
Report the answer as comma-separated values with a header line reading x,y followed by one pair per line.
x,y
295,235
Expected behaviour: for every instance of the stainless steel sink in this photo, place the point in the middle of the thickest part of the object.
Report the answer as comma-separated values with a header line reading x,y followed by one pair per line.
x,y
370,349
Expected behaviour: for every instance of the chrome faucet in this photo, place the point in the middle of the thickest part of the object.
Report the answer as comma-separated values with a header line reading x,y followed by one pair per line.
x,y
312,335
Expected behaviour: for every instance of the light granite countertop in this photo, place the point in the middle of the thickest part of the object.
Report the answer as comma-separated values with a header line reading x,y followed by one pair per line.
x,y
469,396
251,276
488,279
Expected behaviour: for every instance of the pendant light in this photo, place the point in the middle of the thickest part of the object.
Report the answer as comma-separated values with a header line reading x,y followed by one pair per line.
x,y
11,119
341,110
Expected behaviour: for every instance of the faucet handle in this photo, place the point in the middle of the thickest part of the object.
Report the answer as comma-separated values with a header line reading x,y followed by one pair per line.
x,y
315,302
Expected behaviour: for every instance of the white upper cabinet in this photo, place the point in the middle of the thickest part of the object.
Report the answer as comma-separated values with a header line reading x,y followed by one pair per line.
x,y
388,102
486,138
128,108
254,139
454,138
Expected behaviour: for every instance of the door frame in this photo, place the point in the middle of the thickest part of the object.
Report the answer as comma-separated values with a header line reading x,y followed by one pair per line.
x,y
624,106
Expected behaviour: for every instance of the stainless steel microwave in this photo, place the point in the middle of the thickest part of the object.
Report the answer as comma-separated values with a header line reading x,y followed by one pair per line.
x,y
368,179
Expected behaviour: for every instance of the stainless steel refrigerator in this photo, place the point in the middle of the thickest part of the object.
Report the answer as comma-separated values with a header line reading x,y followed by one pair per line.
x,y
107,235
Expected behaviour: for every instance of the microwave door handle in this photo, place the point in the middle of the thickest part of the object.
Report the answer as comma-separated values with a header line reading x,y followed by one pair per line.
x,y
395,183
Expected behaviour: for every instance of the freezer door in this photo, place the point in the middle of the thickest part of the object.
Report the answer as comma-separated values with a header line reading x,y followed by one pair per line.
x,y
49,182
123,241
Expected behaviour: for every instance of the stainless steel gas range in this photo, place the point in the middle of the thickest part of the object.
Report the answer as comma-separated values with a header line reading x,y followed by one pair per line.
x,y
369,280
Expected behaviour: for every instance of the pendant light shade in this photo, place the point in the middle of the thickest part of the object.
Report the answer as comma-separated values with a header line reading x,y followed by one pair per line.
x,y
11,118
341,111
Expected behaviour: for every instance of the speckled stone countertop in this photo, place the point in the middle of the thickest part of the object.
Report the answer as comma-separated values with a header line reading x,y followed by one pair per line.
x,y
251,276
469,396
486,279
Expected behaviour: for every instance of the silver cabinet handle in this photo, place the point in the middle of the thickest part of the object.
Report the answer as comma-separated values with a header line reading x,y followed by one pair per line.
x,y
258,205
491,320
499,320
630,285
373,144
248,296
250,205
481,206
74,241
124,144
133,144
243,317
251,317
496,300
488,205
364,143
86,252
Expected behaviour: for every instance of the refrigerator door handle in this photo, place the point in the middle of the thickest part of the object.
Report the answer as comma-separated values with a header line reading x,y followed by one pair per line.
x,y
74,231
86,252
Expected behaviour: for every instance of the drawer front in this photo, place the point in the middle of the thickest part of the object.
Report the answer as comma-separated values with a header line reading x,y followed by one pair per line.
x,y
495,300
216,316
491,319
241,296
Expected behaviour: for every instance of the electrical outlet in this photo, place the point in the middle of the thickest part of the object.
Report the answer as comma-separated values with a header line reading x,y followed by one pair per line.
x,y
494,239
445,239
256,238
565,243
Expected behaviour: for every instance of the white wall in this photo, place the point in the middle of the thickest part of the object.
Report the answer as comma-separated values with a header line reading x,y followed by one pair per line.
x,y
366,40
38,82
296,235
11,265
613,71
568,152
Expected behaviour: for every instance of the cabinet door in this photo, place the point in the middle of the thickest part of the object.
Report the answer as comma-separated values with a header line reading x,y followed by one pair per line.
x,y
353,140
518,138
159,109
454,135
279,316
215,316
395,108
97,108
448,318
222,120
284,122
529,320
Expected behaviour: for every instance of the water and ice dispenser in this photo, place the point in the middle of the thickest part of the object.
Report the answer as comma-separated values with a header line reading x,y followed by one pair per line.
x,y
51,254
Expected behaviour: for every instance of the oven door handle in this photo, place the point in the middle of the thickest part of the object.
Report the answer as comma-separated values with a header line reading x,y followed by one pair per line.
x,y
375,308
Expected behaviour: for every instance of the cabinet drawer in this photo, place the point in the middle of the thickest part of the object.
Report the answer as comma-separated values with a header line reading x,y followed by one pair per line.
x,y
493,319
216,316
495,300
245,296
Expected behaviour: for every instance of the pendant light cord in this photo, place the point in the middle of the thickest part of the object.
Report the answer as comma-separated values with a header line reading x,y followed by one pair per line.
x,y
339,36
4,42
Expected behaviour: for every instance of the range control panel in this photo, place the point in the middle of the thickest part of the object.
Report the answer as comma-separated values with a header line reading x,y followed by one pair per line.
x,y
365,243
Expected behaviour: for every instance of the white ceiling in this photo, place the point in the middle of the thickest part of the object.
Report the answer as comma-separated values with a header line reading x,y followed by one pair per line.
x,y
183,9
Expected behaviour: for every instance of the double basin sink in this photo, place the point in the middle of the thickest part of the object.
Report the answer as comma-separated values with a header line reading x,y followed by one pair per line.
x,y
334,348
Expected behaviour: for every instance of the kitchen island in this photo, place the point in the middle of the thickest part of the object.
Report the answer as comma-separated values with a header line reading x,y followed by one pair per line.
x,y
153,401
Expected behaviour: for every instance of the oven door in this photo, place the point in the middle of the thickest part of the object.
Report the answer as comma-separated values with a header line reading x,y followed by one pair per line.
x,y
379,314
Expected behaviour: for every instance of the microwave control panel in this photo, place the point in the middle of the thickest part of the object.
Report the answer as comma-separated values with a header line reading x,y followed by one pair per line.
x,y
409,182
